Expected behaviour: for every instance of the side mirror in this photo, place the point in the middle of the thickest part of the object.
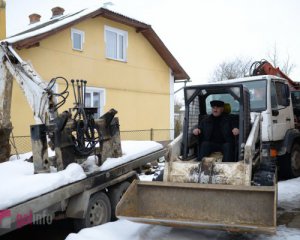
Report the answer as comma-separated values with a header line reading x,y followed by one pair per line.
x,y
275,113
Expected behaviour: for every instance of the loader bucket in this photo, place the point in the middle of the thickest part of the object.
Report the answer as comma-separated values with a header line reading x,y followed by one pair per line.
x,y
211,206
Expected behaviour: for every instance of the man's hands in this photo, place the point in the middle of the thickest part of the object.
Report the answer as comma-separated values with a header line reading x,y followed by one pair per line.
x,y
196,131
235,131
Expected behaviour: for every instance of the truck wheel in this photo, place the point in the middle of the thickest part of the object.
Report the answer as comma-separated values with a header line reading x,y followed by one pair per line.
x,y
98,212
289,164
295,160
115,195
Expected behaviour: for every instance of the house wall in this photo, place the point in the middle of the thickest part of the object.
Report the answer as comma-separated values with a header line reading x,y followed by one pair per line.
x,y
138,89
2,20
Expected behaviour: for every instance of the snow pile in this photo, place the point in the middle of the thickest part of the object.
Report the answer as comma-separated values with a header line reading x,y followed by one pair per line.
x,y
19,183
131,150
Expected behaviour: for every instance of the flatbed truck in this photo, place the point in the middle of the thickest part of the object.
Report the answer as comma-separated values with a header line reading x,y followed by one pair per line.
x,y
89,202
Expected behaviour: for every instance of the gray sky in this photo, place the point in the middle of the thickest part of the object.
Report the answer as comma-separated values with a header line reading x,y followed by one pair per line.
x,y
199,33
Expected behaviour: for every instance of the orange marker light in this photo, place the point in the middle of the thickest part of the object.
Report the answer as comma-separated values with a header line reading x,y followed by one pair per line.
x,y
273,152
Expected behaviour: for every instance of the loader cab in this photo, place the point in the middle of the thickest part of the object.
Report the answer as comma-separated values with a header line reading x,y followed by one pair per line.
x,y
197,107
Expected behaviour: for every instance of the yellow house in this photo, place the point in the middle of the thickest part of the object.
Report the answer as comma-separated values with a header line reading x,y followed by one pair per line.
x,y
126,64
2,20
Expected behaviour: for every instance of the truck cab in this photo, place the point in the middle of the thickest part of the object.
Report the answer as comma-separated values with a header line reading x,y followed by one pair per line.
x,y
270,96
279,128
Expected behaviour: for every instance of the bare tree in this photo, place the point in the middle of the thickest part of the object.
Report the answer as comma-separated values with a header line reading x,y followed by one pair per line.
x,y
238,67
285,65
272,56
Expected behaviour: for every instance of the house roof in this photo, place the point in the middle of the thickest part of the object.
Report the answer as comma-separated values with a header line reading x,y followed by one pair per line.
x,y
40,31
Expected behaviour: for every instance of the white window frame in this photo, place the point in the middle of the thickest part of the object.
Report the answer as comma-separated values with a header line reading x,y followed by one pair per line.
x,y
119,32
102,94
81,33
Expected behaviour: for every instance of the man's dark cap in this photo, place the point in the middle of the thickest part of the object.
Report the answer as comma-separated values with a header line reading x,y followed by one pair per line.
x,y
217,103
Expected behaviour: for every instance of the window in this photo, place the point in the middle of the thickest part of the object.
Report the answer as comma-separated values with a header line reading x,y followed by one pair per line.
x,y
258,94
115,43
226,98
273,96
282,93
77,37
95,97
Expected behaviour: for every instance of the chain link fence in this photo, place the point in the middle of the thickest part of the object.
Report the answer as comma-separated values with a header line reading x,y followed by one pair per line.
x,y
22,144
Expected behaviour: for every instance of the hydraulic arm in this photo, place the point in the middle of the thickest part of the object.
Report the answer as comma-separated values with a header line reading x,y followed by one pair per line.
x,y
73,138
35,89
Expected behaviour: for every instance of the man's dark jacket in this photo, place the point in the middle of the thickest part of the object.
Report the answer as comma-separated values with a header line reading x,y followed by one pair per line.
x,y
227,123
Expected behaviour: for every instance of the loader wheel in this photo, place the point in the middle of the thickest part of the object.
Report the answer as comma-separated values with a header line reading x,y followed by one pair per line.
x,y
264,178
98,212
115,196
266,174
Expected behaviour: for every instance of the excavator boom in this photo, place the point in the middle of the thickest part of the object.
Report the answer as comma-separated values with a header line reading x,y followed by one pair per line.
x,y
33,87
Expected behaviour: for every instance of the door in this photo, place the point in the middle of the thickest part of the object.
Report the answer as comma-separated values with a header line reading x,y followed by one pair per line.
x,y
281,117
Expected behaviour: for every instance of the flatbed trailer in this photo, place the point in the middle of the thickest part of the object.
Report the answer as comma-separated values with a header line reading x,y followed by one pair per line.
x,y
90,201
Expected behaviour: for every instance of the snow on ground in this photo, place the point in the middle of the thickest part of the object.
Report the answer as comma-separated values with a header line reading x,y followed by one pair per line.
x,y
289,194
288,198
22,184
126,230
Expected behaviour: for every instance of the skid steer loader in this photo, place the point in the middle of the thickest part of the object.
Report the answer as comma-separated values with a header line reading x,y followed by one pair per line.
x,y
240,195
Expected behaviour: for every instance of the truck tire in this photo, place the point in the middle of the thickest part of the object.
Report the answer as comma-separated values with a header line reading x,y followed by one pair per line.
x,y
295,160
98,212
115,194
289,164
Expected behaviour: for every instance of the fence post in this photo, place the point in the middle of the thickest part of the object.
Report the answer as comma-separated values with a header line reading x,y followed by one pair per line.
x,y
151,134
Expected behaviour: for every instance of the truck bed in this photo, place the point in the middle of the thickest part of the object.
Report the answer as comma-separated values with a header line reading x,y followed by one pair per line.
x,y
56,200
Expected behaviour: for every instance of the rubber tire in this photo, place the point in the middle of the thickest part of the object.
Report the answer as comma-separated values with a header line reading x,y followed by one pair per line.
x,y
295,160
115,194
98,202
264,178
